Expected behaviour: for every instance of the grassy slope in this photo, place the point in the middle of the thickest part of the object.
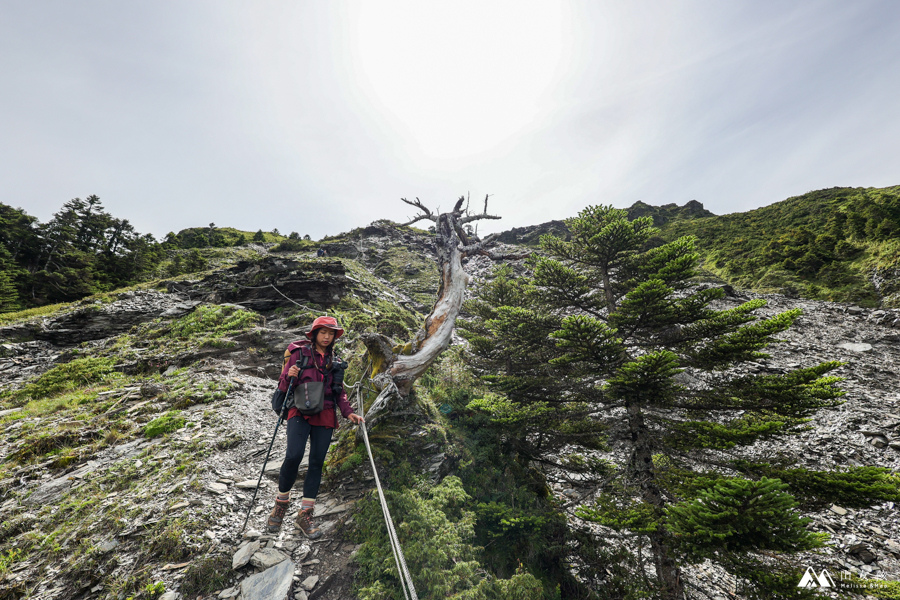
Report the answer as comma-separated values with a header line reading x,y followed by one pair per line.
x,y
825,244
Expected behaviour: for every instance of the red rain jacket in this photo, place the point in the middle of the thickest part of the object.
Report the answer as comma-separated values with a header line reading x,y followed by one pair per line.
x,y
327,417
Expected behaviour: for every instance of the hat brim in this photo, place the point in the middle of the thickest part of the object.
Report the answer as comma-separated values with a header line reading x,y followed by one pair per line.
x,y
338,332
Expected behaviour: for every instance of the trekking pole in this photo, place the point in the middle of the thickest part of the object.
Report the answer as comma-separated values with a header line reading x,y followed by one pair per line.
x,y
272,443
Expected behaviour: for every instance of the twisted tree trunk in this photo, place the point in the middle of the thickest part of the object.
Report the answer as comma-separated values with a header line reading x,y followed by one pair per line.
x,y
395,373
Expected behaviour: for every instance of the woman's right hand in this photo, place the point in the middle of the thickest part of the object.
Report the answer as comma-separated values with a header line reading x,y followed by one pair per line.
x,y
293,371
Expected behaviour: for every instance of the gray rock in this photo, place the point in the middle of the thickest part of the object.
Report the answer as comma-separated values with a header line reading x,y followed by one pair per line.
x,y
862,552
838,510
107,546
310,582
247,484
272,584
52,490
217,488
334,509
892,546
180,309
856,347
266,558
242,556
170,596
151,389
879,441
92,322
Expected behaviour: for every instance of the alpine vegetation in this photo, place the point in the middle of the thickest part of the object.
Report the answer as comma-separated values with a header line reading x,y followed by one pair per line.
x,y
610,364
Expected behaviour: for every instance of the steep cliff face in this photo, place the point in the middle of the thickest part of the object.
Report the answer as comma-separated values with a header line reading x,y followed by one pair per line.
x,y
134,430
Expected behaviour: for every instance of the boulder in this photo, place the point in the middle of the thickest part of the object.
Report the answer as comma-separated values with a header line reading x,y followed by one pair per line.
x,y
272,584
310,582
266,558
853,347
862,552
242,556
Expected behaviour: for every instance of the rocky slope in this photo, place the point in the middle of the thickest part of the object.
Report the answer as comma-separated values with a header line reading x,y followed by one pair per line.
x,y
134,430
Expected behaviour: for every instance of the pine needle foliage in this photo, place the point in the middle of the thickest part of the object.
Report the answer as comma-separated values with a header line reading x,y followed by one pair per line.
x,y
436,535
608,342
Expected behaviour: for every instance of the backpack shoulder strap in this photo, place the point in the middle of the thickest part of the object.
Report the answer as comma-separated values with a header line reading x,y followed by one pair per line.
x,y
303,360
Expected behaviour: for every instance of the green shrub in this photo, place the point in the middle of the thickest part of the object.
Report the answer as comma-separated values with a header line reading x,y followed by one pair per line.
x,y
167,423
293,245
437,533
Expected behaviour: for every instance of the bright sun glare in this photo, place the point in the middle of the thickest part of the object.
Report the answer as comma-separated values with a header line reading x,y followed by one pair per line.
x,y
459,78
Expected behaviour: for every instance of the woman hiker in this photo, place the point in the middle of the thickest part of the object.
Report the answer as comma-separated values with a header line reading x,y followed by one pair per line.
x,y
319,356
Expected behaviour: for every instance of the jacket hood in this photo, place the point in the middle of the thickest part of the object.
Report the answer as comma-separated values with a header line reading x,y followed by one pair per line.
x,y
299,343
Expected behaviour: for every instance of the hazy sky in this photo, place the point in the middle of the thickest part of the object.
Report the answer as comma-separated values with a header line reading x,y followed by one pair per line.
x,y
317,117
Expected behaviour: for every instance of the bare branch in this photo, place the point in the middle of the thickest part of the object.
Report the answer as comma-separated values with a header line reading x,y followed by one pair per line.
x,y
478,246
499,256
470,218
418,204
461,232
491,254
477,217
414,221
481,247
427,213
435,337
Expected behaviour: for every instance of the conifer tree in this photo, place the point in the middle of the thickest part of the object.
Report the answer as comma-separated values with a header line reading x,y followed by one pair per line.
x,y
608,342
9,296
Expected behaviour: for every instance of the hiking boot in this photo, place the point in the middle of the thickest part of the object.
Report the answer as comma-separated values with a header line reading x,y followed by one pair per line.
x,y
277,515
305,524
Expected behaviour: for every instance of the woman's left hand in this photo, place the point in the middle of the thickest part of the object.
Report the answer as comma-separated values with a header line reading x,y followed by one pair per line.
x,y
357,419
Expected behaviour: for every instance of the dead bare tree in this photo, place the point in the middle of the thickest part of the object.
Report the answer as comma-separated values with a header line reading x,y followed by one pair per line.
x,y
395,370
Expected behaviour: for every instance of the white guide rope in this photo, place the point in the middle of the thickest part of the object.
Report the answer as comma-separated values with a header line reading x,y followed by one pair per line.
x,y
409,591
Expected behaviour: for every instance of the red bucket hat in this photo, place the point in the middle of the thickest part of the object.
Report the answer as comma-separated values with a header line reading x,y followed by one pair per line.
x,y
328,322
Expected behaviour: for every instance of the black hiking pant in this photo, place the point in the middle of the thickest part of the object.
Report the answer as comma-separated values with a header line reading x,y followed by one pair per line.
x,y
319,436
